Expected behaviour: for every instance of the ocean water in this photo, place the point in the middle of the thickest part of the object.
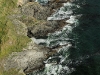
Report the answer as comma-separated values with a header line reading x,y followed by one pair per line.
x,y
87,38
80,40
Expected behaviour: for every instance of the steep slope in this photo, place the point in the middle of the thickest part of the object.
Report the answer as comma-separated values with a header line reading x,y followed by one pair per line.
x,y
21,20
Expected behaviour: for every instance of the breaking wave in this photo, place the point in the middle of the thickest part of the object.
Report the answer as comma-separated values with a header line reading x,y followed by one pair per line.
x,y
58,63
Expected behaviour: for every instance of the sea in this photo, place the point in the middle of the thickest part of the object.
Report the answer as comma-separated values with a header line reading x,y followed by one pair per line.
x,y
79,40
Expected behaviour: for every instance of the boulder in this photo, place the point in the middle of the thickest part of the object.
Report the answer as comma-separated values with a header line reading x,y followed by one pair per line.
x,y
29,59
35,10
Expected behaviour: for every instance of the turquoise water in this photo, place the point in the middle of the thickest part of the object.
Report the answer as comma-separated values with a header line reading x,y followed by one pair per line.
x,y
81,40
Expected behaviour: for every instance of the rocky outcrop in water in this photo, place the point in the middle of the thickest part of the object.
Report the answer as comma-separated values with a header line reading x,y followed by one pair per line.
x,y
30,59
33,17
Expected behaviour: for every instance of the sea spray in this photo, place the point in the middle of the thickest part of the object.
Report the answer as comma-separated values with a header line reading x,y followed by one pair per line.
x,y
58,63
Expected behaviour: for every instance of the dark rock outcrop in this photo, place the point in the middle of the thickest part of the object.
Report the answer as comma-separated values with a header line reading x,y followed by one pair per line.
x,y
35,10
42,30
34,17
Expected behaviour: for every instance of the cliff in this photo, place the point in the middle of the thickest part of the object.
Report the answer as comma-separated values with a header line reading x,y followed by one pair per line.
x,y
27,19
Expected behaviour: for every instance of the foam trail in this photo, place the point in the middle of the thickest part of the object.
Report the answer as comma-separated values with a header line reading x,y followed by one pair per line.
x,y
53,40
54,64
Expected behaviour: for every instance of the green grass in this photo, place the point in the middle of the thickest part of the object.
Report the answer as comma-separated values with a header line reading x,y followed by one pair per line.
x,y
10,41
6,7
10,72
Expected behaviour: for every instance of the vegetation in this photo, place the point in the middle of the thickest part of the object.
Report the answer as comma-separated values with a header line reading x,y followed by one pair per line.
x,y
10,41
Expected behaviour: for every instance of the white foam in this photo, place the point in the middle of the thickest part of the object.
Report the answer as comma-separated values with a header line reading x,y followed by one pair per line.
x,y
61,13
37,41
56,69
68,4
50,18
53,68
72,19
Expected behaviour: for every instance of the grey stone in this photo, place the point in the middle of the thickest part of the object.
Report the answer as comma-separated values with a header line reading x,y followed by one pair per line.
x,y
28,59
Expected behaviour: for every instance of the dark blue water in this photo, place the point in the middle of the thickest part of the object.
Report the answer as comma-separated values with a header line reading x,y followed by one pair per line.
x,y
84,36
87,39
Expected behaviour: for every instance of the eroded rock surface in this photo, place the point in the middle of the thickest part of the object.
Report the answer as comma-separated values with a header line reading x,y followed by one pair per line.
x,y
30,58
35,10
31,20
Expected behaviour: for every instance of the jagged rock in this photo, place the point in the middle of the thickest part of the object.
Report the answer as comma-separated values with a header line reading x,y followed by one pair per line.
x,y
32,21
33,17
27,60
42,30
36,28
35,10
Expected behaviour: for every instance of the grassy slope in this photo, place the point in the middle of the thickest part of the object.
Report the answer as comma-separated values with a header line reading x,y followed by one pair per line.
x,y
9,40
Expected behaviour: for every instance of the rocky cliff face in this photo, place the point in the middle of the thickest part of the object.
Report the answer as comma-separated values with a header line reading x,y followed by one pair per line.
x,y
30,58
30,20
35,10
33,17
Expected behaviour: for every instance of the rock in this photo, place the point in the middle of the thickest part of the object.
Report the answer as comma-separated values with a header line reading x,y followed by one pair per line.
x,y
29,26
21,28
35,10
31,21
22,2
42,30
28,59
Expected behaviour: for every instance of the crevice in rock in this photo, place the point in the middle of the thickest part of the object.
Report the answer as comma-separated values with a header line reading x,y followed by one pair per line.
x,y
30,0
29,33
26,71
